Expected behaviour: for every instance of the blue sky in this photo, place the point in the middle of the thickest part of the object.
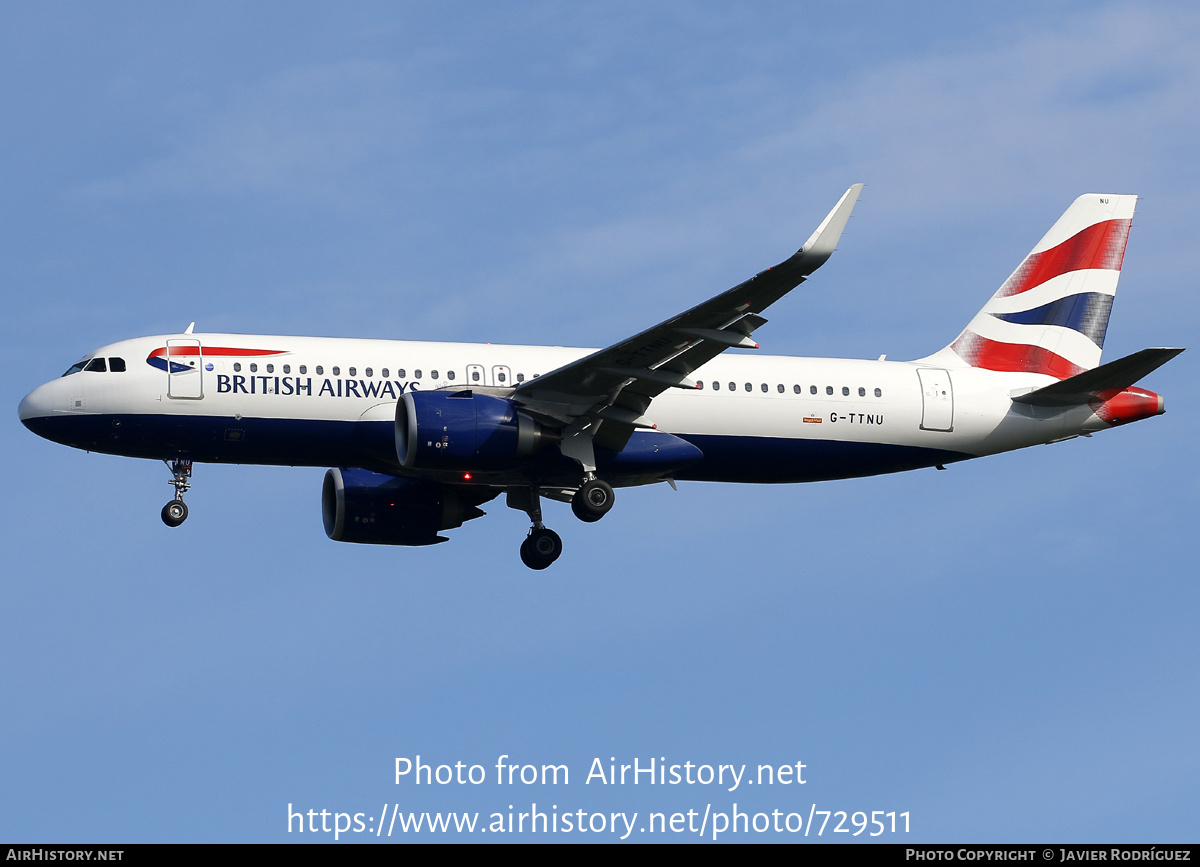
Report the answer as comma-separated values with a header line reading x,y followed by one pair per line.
x,y
1006,650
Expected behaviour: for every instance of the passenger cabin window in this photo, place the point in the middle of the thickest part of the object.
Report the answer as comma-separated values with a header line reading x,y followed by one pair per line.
x,y
520,377
433,374
400,373
474,376
384,373
369,373
287,368
96,365
270,368
829,389
812,389
320,370
878,393
237,367
416,374
253,367
796,389
845,391
862,392
352,372
450,375
337,371
499,376
116,365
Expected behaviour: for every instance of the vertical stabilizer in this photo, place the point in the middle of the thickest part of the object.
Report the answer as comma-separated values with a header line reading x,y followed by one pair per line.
x,y
1051,314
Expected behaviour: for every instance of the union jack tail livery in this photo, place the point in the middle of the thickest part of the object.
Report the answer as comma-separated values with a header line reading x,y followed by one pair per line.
x,y
1051,314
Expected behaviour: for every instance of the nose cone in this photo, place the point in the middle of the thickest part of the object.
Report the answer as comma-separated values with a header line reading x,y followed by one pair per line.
x,y
35,410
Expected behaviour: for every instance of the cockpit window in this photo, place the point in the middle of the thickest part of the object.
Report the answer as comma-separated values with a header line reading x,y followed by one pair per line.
x,y
76,367
116,365
96,365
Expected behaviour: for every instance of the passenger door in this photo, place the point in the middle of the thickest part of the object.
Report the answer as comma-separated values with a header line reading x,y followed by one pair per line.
x,y
185,369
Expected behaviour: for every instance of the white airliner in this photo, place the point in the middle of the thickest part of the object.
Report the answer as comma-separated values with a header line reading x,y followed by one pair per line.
x,y
419,435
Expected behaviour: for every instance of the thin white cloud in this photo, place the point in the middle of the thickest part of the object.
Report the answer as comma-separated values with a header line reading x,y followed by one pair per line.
x,y
304,132
1105,101
1104,96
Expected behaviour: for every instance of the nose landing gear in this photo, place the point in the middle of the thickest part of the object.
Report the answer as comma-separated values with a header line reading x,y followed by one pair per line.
x,y
175,512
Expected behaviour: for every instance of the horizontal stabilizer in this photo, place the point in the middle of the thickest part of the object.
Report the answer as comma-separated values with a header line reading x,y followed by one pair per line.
x,y
1115,376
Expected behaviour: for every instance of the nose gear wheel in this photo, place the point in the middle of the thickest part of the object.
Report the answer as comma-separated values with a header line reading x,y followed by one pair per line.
x,y
175,512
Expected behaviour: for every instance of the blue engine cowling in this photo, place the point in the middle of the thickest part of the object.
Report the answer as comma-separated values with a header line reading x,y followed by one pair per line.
x,y
377,509
463,431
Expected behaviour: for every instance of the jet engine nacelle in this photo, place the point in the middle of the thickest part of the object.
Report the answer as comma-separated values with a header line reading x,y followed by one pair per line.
x,y
377,509
463,431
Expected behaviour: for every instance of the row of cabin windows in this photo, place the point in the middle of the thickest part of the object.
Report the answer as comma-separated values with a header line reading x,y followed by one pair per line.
x,y
117,365
500,376
798,389
336,370
97,365
369,372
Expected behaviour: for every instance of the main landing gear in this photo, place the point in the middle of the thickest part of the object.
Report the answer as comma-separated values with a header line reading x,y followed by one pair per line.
x,y
175,512
543,546
592,501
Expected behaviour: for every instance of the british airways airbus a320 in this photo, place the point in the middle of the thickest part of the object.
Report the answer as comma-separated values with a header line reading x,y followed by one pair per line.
x,y
419,435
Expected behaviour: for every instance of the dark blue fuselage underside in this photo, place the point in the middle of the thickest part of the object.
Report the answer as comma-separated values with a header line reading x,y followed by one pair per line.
x,y
370,445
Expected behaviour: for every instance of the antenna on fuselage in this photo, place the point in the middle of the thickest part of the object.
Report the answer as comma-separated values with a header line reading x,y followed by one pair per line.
x,y
188,330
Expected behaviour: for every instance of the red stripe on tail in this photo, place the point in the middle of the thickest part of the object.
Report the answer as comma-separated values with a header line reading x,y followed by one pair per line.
x,y
1013,357
1098,246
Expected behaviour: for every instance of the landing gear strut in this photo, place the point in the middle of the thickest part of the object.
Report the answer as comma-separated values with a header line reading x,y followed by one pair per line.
x,y
175,512
542,546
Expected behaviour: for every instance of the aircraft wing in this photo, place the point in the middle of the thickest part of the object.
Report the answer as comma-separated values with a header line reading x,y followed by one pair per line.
x,y
608,392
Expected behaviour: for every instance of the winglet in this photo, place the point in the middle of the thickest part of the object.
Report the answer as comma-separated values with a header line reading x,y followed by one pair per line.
x,y
820,245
